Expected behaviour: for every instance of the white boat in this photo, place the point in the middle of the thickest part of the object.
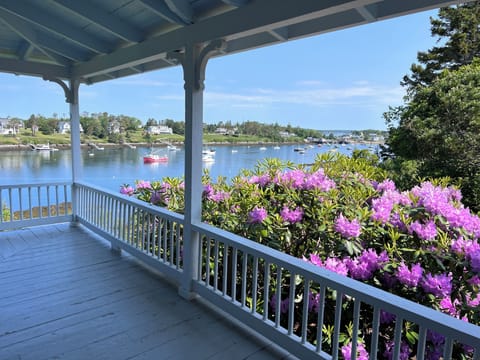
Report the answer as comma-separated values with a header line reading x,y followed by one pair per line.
x,y
96,147
208,158
172,148
263,148
208,152
234,151
43,147
276,147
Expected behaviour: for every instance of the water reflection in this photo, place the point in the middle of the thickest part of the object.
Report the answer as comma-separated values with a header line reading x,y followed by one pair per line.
x,y
111,168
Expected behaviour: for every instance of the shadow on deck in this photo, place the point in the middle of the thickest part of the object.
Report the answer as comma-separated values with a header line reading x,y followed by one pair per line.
x,y
65,295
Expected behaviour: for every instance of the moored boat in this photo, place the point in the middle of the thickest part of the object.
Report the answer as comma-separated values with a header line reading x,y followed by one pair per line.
x,y
154,158
43,147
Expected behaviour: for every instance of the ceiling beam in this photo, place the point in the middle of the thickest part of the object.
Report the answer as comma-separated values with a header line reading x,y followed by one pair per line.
x,y
236,3
182,9
160,8
24,50
281,34
23,67
38,16
103,19
42,43
366,14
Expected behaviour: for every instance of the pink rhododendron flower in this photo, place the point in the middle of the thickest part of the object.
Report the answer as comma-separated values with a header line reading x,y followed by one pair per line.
x,y
127,190
346,228
291,216
257,215
426,231
408,277
362,353
143,184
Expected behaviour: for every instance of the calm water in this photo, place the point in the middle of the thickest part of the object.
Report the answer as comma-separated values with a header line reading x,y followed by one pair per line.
x,y
112,168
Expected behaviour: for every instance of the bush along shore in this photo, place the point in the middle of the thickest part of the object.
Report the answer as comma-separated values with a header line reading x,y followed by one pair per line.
x,y
344,215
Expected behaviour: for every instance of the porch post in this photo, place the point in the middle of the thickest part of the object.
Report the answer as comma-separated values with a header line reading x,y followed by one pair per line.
x,y
75,142
71,97
194,61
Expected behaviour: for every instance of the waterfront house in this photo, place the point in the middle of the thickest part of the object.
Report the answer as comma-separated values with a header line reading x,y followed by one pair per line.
x,y
159,130
172,286
63,127
10,126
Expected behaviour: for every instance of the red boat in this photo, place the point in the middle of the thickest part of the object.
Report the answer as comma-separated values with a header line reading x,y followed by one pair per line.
x,y
154,158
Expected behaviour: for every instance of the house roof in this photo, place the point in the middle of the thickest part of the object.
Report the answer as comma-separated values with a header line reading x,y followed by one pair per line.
x,y
97,40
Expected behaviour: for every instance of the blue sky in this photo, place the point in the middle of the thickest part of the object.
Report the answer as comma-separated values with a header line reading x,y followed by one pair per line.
x,y
340,80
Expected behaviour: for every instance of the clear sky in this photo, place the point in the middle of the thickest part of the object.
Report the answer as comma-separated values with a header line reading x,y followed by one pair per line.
x,y
340,80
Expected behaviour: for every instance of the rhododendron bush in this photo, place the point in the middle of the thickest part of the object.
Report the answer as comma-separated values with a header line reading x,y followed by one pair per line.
x,y
342,214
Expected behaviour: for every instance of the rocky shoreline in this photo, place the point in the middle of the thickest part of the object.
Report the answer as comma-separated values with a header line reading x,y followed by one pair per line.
x,y
23,147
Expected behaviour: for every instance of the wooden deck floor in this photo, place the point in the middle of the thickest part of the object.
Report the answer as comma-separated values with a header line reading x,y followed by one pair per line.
x,y
65,295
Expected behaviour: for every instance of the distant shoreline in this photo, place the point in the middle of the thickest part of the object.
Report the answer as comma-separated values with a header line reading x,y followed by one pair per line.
x,y
22,147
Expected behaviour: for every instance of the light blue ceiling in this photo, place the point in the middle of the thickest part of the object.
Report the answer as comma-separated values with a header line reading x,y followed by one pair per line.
x,y
97,40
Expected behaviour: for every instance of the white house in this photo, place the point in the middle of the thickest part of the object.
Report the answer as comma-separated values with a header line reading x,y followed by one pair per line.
x,y
64,127
7,127
158,129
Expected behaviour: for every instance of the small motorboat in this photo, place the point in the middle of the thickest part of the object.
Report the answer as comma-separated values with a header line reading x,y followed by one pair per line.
x,y
43,147
153,157
208,158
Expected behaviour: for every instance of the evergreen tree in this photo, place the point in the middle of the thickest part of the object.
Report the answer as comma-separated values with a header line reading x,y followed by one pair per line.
x,y
435,133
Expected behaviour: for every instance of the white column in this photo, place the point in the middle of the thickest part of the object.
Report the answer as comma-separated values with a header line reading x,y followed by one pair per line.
x,y
75,131
193,167
194,61
75,142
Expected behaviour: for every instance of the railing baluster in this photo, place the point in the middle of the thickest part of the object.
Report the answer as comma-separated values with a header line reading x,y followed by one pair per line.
x,y
320,319
448,348
244,278
215,265
207,261
164,241
178,244
278,296
171,241
422,339
225,269
30,211
397,338
266,290
56,201
356,319
375,333
337,322
20,201
254,284
306,305
291,302
49,214
234,274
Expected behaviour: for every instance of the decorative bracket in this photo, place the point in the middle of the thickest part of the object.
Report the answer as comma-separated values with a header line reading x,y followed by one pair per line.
x,y
200,62
69,95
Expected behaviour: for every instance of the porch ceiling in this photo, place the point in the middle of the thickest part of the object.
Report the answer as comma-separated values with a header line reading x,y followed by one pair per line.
x,y
97,40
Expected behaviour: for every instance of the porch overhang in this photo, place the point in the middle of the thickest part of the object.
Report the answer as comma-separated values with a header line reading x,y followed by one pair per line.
x,y
97,40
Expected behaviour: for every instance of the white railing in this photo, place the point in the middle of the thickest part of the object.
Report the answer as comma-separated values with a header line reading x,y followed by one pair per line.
x,y
148,232
247,280
35,204
299,306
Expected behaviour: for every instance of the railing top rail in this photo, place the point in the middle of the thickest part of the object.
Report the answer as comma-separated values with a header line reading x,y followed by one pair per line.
x,y
170,215
35,184
376,297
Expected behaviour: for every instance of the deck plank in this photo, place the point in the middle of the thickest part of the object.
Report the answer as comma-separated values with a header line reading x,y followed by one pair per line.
x,y
65,295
